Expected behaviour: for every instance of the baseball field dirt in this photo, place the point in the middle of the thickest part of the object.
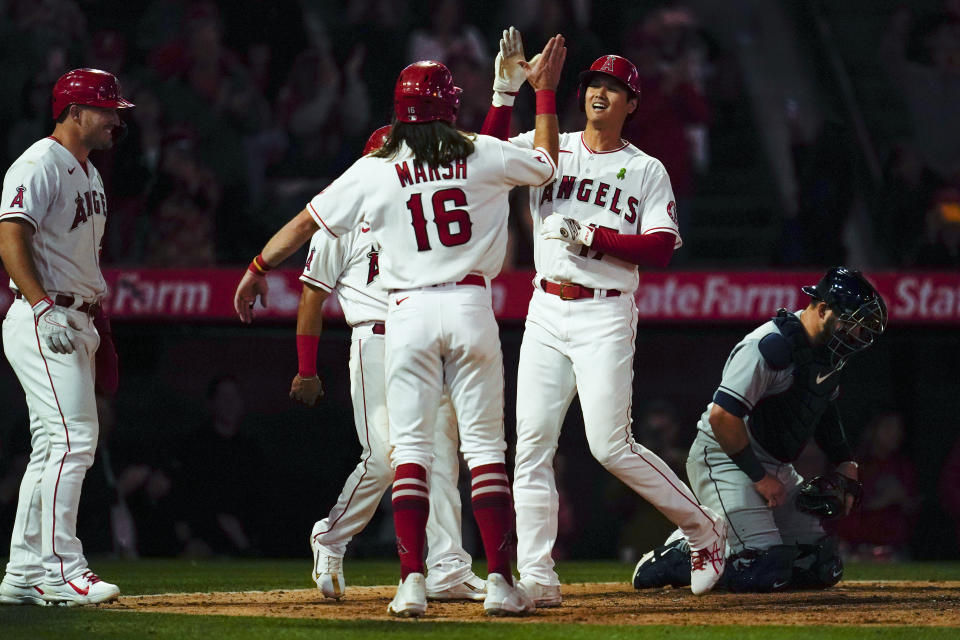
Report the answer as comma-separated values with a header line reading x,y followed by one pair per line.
x,y
912,603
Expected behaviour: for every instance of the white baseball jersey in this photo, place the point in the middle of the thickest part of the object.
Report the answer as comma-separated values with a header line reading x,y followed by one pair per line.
x,y
350,265
64,201
435,225
624,190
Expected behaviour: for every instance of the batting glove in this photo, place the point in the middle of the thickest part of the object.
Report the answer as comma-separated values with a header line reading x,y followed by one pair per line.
x,y
508,77
54,327
556,227
306,390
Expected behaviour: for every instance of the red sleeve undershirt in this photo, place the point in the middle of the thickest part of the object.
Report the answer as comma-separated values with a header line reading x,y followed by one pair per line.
x,y
497,122
651,250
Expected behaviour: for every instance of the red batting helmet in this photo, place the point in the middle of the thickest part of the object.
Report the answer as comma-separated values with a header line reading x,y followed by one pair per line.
x,y
376,139
425,92
90,87
615,66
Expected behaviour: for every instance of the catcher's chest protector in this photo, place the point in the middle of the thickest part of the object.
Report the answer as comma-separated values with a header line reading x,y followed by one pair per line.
x,y
784,423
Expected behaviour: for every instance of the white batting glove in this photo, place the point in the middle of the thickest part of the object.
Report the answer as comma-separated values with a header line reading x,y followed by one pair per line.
x,y
54,327
508,77
556,227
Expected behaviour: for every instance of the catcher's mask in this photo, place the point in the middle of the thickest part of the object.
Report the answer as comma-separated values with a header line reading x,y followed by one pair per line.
x,y
861,312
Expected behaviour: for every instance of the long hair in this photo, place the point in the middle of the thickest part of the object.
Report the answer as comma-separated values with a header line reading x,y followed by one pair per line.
x,y
433,143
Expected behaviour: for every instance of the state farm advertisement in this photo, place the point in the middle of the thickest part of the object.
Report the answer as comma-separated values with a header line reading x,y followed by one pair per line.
x,y
738,297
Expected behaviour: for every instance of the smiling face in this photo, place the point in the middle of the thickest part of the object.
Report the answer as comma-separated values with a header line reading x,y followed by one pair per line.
x,y
608,101
96,125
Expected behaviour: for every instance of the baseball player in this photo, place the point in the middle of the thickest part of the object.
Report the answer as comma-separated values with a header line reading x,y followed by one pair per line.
x,y
778,390
349,265
436,200
51,224
609,210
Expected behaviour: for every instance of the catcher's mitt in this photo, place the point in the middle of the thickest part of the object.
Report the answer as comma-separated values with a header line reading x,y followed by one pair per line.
x,y
824,496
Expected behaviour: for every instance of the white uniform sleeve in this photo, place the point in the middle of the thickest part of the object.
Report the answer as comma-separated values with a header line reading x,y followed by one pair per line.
x,y
524,140
532,167
326,261
746,375
28,190
339,208
658,212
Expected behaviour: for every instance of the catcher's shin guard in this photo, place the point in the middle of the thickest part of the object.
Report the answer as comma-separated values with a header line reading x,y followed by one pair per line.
x,y
666,565
818,565
760,570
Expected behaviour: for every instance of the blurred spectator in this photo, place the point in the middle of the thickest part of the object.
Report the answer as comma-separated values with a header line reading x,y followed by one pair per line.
x,y
218,480
475,79
447,36
883,526
950,487
825,178
177,228
318,106
671,120
930,86
939,246
905,198
659,431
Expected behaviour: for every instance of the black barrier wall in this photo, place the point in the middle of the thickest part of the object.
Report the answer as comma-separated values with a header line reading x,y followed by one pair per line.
x,y
285,465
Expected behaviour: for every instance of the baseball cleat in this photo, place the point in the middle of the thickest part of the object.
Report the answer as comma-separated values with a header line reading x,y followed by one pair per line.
x,y
505,599
411,598
706,564
543,596
85,589
473,588
327,573
15,594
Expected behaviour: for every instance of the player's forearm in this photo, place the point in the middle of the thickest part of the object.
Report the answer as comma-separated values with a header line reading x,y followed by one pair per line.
x,y
289,238
309,328
730,431
310,311
497,122
652,250
547,135
18,261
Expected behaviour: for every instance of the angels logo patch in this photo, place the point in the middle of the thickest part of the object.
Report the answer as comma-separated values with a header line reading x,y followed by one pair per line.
x,y
306,267
672,211
18,199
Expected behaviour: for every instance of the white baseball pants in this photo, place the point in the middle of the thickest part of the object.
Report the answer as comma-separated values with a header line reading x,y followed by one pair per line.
x,y
584,347
363,489
63,435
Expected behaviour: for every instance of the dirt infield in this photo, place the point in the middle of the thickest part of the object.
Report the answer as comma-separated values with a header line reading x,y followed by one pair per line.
x,y
850,603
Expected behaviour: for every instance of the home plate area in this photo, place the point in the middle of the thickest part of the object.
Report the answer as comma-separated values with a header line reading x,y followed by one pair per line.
x,y
849,603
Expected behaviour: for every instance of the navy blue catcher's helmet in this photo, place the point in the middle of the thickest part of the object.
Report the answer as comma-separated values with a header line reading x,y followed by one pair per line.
x,y
861,312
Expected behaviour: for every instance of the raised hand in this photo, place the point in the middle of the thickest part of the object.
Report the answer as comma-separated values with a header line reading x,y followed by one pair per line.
x,y
508,75
544,72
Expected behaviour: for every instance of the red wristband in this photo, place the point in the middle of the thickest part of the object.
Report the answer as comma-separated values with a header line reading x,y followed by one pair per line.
x,y
307,355
258,266
546,102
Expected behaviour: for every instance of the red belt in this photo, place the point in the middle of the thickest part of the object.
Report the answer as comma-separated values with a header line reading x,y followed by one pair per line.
x,y
570,291
472,278
379,328
62,300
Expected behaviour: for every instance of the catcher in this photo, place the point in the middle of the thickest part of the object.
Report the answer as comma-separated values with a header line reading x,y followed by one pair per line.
x,y
778,390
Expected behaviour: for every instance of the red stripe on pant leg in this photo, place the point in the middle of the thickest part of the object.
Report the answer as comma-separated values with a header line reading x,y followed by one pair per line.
x,y
493,512
410,518
66,432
